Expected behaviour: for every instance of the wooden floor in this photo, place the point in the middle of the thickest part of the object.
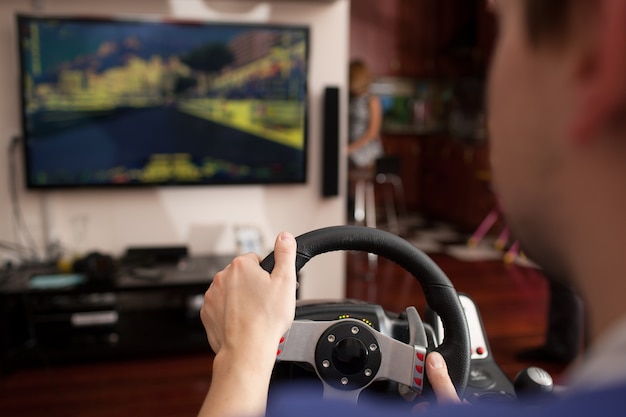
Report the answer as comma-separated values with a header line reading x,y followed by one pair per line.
x,y
511,299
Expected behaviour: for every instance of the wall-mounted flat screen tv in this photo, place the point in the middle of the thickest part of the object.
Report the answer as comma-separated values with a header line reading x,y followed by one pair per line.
x,y
128,102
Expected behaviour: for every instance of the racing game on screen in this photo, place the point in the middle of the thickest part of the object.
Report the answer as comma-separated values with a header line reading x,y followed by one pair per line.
x,y
121,102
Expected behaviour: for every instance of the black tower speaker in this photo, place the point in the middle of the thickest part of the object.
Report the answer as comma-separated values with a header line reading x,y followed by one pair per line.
x,y
330,143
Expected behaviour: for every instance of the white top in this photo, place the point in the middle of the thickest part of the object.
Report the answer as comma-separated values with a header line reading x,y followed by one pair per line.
x,y
605,363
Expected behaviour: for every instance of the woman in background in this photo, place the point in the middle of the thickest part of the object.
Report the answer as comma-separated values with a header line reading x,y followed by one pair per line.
x,y
364,145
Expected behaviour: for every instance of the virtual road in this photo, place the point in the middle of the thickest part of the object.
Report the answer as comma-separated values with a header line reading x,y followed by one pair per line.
x,y
128,139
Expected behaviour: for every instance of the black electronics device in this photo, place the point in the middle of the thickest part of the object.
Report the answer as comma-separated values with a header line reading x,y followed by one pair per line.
x,y
119,102
99,268
74,319
487,381
145,256
353,348
330,142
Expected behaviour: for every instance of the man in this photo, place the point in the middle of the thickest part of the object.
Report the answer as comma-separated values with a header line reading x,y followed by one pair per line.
x,y
557,98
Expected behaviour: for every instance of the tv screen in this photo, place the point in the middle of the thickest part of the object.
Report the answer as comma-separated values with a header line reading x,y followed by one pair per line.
x,y
127,102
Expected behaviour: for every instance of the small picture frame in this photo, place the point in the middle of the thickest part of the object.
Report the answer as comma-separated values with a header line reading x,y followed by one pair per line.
x,y
248,239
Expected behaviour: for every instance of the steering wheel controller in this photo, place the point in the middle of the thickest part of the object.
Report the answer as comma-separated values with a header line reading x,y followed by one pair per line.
x,y
354,347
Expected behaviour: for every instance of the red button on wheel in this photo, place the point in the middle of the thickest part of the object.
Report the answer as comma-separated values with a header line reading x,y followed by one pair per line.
x,y
480,350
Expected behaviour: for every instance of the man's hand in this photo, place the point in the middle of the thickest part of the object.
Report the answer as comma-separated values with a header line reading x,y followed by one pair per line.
x,y
245,312
437,373
245,305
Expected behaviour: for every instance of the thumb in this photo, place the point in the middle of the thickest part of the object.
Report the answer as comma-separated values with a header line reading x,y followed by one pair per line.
x,y
284,257
437,372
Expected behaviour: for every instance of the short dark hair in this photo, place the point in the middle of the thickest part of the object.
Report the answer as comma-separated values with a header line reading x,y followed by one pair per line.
x,y
548,19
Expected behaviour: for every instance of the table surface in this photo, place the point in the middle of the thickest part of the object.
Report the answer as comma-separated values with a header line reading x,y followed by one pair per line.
x,y
127,278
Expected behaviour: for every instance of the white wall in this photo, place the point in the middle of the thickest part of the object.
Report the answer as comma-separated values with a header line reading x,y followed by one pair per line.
x,y
117,219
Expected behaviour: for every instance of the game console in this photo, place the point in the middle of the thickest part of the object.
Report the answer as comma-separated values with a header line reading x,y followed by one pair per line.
x,y
487,381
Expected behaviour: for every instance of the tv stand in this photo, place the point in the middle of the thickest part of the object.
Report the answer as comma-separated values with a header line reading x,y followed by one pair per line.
x,y
128,316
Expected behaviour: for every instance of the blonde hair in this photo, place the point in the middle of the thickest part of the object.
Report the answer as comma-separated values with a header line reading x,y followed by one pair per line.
x,y
360,77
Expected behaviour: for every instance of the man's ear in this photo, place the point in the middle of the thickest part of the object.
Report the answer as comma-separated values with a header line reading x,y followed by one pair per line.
x,y
604,84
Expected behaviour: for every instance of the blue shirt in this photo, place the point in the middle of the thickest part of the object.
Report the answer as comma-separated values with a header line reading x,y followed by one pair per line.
x,y
297,402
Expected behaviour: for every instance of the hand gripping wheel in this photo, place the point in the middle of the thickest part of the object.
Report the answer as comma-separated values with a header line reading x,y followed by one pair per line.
x,y
349,355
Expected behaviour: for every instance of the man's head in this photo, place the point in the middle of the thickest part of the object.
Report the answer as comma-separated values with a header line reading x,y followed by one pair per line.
x,y
557,86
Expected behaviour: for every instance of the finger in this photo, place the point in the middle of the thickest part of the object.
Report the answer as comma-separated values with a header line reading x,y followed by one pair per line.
x,y
284,256
439,379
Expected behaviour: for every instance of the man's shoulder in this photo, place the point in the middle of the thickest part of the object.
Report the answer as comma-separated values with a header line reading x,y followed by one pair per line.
x,y
606,402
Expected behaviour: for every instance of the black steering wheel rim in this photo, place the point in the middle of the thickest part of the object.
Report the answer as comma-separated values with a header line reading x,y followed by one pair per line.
x,y
438,290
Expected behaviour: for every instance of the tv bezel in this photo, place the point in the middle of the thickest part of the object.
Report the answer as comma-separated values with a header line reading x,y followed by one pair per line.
x,y
31,185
